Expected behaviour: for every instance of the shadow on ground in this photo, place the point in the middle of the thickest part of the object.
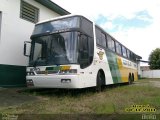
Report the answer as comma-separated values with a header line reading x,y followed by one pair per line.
x,y
66,92
12,97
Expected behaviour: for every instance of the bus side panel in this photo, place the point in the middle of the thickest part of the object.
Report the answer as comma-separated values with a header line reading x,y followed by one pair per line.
x,y
120,68
114,68
126,67
101,62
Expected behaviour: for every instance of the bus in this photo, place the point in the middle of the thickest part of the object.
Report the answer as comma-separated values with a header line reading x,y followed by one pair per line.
x,y
73,52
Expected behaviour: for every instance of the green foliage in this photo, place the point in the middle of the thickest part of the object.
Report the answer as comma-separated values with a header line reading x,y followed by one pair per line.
x,y
154,59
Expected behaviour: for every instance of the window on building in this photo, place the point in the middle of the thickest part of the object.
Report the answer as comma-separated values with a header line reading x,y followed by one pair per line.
x,y
0,22
111,44
124,52
118,48
29,12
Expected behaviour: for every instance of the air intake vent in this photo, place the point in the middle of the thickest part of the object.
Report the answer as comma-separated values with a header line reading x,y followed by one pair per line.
x,y
29,12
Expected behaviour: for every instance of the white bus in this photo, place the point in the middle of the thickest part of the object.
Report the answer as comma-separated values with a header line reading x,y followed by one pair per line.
x,y
72,52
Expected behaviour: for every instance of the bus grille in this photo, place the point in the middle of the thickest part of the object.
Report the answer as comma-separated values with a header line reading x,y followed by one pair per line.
x,y
48,72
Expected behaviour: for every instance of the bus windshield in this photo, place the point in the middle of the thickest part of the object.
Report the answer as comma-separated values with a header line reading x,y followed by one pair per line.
x,y
54,49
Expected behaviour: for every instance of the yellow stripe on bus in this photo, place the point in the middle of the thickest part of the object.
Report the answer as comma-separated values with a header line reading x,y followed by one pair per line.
x,y
124,71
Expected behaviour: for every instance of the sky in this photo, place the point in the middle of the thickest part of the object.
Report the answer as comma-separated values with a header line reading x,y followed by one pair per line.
x,y
134,23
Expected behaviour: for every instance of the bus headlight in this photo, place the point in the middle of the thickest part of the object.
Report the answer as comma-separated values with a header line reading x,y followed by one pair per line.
x,y
30,73
70,71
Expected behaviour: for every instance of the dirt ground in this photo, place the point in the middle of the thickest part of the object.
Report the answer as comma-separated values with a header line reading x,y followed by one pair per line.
x,y
12,97
155,83
151,82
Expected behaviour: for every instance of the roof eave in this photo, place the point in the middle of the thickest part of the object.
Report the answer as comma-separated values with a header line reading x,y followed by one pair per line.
x,y
54,7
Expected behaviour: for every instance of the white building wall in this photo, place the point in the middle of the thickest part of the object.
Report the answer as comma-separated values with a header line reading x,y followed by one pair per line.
x,y
0,23
139,70
151,74
14,31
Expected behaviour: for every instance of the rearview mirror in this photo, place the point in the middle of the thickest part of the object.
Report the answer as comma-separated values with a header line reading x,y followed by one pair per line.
x,y
27,46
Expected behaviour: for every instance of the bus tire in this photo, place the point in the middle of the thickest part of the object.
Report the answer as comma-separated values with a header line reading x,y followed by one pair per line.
x,y
130,79
100,81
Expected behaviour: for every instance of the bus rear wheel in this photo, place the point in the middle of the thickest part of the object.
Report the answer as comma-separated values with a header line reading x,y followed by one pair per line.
x,y
100,81
132,77
130,81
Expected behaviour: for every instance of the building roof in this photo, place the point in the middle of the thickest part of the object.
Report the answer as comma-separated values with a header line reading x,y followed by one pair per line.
x,y
51,5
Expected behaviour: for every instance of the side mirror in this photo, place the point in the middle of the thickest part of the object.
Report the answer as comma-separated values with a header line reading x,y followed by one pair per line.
x,y
27,46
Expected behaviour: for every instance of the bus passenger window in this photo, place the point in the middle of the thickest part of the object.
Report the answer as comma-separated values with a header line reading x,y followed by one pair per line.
x,y
103,40
134,57
111,44
109,41
131,55
118,48
128,53
98,36
124,51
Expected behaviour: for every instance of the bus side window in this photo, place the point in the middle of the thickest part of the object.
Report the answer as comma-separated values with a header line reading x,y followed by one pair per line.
x,y
103,40
111,43
83,51
124,51
131,55
134,57
91,49
118,48
128,53
98,36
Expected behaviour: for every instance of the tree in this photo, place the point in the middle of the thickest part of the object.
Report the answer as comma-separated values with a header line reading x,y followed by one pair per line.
x,y
154,59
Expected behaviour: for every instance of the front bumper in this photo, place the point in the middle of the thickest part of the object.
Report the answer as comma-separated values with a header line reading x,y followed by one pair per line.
x,y
55,81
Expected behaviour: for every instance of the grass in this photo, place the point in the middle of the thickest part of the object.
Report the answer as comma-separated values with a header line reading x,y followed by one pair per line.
x,y
113,100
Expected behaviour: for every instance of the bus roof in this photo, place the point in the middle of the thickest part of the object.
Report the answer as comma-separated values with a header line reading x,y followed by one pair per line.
x,y
72,15
60,17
